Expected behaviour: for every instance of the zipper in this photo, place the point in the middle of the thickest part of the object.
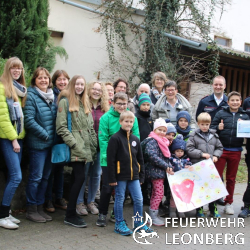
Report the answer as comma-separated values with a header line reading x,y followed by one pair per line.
x,y
131,161
232,128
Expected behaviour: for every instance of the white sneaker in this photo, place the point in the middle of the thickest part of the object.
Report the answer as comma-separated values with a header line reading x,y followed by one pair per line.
x,y
229,209
7,223
92,208
13,219
81,209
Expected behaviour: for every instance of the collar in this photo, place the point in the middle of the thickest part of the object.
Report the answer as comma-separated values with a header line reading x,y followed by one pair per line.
x,y
177,102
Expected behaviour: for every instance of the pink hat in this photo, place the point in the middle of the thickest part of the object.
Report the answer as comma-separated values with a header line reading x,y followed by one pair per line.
x,y
160,123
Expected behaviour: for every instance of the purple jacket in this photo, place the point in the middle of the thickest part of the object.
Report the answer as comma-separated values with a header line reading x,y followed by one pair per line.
x,y
97,113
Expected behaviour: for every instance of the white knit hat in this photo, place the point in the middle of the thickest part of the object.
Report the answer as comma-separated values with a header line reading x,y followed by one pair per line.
x,y
160,123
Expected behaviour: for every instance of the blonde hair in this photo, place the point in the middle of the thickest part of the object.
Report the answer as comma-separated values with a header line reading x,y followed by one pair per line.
x,y
70,94
126,114
7,79
104,98
204,117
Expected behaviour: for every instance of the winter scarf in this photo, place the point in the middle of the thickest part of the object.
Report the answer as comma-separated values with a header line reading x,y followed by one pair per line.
x,y
184,132
48,96
163,143
156,93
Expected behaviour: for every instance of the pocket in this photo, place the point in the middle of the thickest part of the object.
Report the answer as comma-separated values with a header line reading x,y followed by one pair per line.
x,y
118,168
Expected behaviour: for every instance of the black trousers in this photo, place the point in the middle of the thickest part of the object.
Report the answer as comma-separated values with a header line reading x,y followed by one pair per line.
x,y
246,196
77,181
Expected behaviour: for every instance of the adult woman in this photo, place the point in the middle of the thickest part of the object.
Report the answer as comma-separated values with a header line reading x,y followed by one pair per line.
x,y
121,85
81,139
111,92
60,80
12,90
158,81
99,102
39,115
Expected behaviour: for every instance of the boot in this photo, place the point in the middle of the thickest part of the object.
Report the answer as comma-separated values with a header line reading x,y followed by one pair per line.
x,y
156,220
33,215
172,212
4,211
43,214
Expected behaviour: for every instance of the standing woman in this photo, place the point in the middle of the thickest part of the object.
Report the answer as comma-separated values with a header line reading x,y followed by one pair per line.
x,y
39,114
99,103
12,90
82,140
158,80
60,80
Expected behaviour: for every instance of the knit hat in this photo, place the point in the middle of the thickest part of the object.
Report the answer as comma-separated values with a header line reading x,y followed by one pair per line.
x,y
183,114
171,128
160,123
178,143
144,98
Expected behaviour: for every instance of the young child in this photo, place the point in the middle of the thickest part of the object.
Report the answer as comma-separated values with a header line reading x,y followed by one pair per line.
x,y
202,144
156,157
126,170
178,161
182,127
171,132
145,121
225,122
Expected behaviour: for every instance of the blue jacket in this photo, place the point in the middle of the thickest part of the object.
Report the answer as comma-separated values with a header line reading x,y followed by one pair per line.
x,y
56,92
179,163
209,105
39,121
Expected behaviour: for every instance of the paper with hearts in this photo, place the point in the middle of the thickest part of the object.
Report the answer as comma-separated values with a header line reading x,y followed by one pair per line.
x,y
196,186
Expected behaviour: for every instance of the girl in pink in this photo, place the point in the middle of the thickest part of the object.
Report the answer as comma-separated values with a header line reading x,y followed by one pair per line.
x,y
156,159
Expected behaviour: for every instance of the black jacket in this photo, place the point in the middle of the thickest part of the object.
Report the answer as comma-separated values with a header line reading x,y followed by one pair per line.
x,y
246,107
209,105
145,123
227,136
124,158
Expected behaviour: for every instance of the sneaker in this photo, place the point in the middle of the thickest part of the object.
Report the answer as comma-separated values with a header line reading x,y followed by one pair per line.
x,y
13,219
122,228
215,213
181,215
75,221
221,202
112,200
145,228
61,203
172,212
49,207
112,216
81,209
101,221
229,209
245,212
199,213
8,224
92,208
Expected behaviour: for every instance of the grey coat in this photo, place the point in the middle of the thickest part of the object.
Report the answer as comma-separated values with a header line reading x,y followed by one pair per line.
x,y
197,145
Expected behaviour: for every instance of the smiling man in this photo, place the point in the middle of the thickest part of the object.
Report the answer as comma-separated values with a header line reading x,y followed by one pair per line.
x,y
213,103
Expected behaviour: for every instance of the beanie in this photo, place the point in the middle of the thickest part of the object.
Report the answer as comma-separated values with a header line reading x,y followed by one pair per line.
x,y
144,98
183,114
178,143
171,128
160,123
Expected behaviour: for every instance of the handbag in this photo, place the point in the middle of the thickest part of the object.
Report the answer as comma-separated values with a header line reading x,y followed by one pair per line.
x,y
61,152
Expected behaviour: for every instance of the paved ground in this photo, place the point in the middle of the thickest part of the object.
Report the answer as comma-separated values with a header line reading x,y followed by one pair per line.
x,y
56,235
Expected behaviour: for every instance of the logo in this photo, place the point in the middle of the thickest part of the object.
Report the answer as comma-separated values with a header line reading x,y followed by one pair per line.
x,y
143,230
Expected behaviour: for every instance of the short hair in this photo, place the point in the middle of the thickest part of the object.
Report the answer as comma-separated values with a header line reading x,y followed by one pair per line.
x,y
121,80
204,117
36,74
126,114
233,93
170,83
109,83
159,74
57,74
120,95
220,77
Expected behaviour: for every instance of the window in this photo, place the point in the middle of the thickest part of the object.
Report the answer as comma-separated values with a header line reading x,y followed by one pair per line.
x,y
223,41
247,47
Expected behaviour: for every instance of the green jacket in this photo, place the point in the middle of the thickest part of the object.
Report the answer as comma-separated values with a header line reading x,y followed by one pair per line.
x,y
109,125
82,138
7,130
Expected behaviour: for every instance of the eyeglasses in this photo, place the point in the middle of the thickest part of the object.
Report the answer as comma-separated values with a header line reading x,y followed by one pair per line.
x,y
97,90
170,90
15,68
121,87
110,90
121,104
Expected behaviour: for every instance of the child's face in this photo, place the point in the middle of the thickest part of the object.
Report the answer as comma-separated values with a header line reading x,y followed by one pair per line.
x,y
234,103
179,153
161,131
204,126
145,106
127,124
183,123
170,137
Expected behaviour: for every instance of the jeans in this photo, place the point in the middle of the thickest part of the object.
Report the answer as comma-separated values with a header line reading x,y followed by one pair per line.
x,y
39,172
246,196
58,177
134,188
12,161
94,171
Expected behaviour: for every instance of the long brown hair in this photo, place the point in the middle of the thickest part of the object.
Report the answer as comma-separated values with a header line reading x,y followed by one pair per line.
x,y
104,99
70,94
7,79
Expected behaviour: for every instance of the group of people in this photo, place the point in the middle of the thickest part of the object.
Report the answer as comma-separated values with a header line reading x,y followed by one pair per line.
x,y
124,144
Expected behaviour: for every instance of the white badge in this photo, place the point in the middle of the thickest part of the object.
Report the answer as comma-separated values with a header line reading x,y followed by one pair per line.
x,y
133,143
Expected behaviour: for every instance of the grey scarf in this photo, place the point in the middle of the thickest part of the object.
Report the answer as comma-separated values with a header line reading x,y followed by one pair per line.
x,y
47,96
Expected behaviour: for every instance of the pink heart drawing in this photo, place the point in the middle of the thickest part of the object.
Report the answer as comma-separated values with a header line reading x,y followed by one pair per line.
x,y
184,190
